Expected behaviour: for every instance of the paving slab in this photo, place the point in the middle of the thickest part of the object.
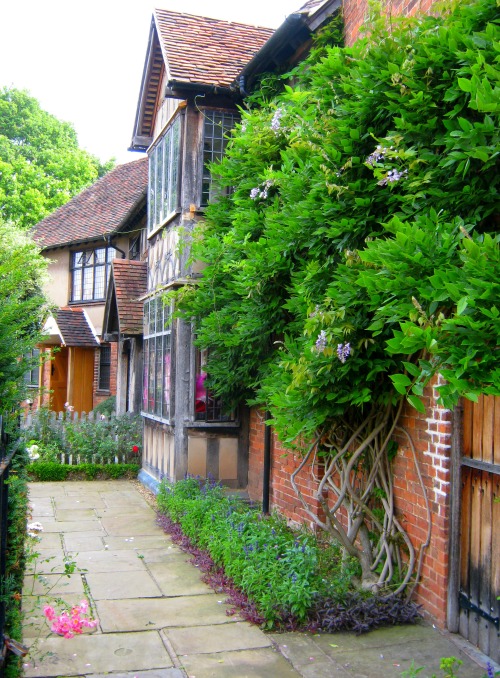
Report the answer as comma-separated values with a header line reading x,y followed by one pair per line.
x,y
136,614
383,653
116,585
68,503
73,526
175,577
144,543
91,654
53,584
49,561
52,540
107,560
84,541
229,637
167,555
260,663
129,526
41,507
76,513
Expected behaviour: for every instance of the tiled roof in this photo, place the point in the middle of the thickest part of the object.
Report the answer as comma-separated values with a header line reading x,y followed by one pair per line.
x,y
130,283
74,327
207,51
97,211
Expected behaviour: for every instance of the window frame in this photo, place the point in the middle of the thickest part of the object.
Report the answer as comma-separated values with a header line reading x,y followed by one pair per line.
x,y
215,151
105,351
157,376
86,256
33,357
213,412
164,176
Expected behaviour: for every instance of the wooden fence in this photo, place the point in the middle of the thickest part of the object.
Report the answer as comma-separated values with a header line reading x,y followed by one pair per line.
x,y
57,422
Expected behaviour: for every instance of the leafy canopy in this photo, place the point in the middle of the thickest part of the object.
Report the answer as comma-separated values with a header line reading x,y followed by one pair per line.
x,y
22,310
41,165
357,252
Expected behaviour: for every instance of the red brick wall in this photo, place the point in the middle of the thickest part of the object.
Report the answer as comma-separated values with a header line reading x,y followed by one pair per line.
x,y
431,437
355,12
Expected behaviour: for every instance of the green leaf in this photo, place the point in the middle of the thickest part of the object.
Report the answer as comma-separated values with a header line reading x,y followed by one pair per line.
x,y
416,403
464,84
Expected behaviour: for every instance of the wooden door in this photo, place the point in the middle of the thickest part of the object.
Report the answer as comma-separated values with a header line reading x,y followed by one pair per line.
x,y
59,379
82,372
479,573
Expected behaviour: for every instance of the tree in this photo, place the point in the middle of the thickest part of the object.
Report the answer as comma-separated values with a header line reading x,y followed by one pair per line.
x,y
23,308
41,165
356,255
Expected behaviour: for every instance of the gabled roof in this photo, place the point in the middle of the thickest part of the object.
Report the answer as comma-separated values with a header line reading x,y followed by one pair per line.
x,y
98,211
199,49
71,327
196,52
124,310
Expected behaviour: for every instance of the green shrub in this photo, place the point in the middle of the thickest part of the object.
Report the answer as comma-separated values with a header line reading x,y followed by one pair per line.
x,y
107,407
283,572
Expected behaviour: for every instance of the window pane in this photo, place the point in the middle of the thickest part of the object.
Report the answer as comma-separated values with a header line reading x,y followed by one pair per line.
x,y
76,293
88,283
174,173
105,368
99,282
166,377
159,184
151,190
159,375
100,255
145,380
151,382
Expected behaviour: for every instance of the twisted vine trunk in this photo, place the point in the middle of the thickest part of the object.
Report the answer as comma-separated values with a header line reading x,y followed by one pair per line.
x,y
351,463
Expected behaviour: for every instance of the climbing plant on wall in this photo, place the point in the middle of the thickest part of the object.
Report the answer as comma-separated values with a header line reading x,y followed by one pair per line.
x,y
356,255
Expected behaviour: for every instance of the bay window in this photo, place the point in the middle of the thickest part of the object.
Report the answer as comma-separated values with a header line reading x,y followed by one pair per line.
x,y
164,176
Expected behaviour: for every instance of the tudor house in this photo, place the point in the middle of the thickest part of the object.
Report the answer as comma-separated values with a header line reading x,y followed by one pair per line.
x,y
187,107
80,240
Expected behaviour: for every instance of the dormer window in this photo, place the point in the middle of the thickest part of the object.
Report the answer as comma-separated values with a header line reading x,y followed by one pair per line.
x,y
90,273
164,176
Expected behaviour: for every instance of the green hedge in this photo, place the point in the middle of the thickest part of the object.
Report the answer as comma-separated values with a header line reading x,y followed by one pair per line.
x,y
53,471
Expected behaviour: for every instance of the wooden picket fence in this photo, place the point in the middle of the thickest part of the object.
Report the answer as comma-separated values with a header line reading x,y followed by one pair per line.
x,y
57,422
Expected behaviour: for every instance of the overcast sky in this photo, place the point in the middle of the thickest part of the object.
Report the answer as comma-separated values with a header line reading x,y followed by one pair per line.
x,y
83,60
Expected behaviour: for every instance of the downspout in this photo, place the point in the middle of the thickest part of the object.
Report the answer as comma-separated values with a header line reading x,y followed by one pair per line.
x,y
266,478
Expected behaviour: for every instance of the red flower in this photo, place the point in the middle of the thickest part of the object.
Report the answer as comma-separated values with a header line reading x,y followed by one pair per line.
x,y
135,449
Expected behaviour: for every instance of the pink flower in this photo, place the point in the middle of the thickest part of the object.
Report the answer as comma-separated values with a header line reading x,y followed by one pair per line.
x,y
49,612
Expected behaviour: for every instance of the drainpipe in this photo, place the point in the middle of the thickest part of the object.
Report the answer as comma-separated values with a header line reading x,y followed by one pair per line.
x,y
266,480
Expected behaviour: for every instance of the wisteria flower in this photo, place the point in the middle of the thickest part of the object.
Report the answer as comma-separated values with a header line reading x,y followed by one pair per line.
x,y
378,155
321,341
343,352
254,193
392,176
276,121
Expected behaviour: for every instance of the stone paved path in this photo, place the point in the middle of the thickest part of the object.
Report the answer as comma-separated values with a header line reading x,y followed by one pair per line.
x,y
158,620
